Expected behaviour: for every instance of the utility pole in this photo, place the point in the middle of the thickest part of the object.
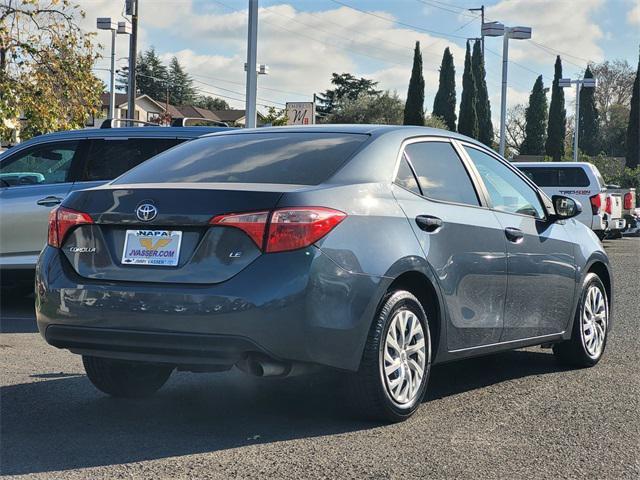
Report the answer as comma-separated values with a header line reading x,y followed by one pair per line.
x,y
252,61
132,9
481,9
579,83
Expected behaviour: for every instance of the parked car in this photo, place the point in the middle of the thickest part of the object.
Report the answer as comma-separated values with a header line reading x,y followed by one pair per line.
x,y
36,175
376,250
613,214
579,180
627,208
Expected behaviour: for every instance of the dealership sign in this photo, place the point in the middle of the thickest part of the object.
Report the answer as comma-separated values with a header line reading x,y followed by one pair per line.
x,y
301,113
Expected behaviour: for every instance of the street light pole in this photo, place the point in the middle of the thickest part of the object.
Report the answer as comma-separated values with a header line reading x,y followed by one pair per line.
x,y
579,83
132,8
252,60
106,23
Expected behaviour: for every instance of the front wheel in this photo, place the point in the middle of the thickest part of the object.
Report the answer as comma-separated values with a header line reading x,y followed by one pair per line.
x,y
394,371
590,327
125,379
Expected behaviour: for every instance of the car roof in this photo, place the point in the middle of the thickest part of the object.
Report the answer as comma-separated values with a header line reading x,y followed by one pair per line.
x,y
553,164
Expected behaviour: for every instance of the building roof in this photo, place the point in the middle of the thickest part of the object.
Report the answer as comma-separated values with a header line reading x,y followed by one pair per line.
x,y
229,115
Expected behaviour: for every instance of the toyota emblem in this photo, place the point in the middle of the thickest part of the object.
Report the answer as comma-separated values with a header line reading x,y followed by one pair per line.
x,y
146,212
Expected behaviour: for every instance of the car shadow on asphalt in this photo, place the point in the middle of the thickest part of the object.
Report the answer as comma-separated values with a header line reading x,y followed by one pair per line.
x,y
59,422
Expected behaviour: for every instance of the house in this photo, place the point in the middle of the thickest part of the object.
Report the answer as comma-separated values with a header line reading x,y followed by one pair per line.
x,y
150,110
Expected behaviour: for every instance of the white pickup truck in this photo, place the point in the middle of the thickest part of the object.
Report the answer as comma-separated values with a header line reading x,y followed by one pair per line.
x,y
582,181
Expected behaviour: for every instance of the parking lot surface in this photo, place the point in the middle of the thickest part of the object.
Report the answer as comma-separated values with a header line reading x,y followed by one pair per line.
x,y
513,415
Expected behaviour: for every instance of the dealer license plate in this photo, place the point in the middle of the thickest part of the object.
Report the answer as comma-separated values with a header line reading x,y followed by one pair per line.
x,y
152,247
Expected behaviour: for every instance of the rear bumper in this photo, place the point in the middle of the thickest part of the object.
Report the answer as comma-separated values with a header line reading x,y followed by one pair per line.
x,y
617,224
293,306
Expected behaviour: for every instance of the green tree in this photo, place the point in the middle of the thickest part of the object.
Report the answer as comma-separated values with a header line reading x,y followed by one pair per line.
x,y
556,128
152,76
483,108
181,90
444,105
211,103
468,118
275,117
414,107
633,130
46,63
589,133
385,109
536,121
347,87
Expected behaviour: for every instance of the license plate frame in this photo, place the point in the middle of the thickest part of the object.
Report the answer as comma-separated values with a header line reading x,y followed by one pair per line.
x,y
158,248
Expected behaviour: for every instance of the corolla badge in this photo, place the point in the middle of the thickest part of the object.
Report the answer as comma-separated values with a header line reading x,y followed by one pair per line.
x,y
146,212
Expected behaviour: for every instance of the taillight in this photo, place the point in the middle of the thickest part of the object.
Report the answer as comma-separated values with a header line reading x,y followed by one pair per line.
x,y
596,203
607,205
253,224
287,229
628,201
61,220
293,228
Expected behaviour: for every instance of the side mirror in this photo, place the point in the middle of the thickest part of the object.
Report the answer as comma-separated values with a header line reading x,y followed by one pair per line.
x,y
565,207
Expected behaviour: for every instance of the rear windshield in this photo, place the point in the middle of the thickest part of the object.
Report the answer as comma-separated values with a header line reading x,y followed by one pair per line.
x,y
557,176
291,158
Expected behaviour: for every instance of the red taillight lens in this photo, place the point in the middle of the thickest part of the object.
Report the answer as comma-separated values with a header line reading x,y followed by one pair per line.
x,y
596,203
607,205
288,228
293,228
628,201
253,224
61,220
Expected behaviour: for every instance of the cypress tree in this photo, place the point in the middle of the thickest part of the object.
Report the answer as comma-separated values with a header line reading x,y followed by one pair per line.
x,y
557,126
414,108
589,131
633,130
468,118
444,105
536,121
483,106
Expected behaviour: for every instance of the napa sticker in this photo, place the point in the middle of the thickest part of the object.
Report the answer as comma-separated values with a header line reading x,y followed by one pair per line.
x,y
152,247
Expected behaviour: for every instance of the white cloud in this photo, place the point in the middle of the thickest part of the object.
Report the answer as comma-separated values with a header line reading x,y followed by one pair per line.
x,y
633,17
567,26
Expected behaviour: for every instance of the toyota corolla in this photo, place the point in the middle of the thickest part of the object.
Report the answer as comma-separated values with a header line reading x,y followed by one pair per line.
x,y
375,250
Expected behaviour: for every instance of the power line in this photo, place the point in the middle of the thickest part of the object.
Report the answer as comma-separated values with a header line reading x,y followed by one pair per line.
x,y
460,11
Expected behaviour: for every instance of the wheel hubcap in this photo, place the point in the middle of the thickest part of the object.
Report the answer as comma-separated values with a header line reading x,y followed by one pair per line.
x,y
594,321
404,357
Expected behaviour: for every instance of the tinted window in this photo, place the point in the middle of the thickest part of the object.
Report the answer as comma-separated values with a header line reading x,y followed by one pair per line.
x,y
41,164
557,177
508,192
441,174
293,158
405,177
108,159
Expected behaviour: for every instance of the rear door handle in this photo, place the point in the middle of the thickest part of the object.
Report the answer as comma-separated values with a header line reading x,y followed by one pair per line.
x,y
49,201
429,223
514,235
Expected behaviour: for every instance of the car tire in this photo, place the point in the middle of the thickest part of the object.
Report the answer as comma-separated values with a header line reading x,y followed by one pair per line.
x,y
376,392
125,379
590,327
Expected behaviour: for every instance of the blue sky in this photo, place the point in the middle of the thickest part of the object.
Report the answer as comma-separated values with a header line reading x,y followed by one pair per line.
x,y
304,41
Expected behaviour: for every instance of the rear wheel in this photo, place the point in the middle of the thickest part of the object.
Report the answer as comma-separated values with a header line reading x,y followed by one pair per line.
x,y
125,379
394,371
590,327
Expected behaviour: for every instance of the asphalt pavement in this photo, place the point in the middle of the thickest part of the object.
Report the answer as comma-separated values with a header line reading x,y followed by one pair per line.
x,y
509,416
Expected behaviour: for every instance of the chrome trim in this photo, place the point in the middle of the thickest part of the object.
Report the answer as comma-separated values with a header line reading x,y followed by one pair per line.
x,y
542,337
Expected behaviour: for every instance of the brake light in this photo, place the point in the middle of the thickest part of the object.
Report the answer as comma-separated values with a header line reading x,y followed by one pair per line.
x,y
287,229
628,201
294,228
607,205
596,204
61,220
253,224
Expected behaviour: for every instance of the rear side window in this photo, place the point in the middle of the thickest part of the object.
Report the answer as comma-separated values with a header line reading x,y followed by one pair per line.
x,y
405,177
108,159
556,177
441,174
289,158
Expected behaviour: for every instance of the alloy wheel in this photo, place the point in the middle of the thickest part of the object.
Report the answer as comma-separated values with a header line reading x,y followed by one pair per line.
x,y
403,357
594,321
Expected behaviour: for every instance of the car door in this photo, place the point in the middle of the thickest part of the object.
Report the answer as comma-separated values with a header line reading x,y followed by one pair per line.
x,y
108,158
33,181
540,254
462,241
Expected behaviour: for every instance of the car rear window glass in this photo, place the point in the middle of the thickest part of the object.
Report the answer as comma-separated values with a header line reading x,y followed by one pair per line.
x,y
441,174
557,176
108,159
286,158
